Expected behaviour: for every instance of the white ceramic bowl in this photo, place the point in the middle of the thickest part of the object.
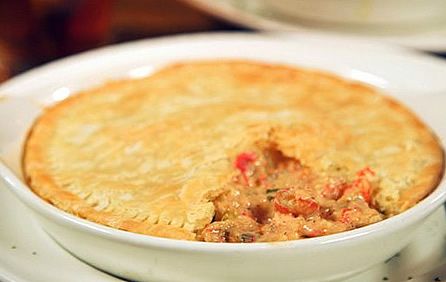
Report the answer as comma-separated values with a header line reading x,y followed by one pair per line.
x,y
147,258
364,12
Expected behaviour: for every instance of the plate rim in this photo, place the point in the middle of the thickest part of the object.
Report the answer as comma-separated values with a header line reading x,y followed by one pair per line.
x,y
271,36
228,12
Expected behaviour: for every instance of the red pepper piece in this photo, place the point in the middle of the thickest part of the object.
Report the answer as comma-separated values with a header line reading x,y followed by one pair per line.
x,y
243,161
366,192
365,171
366,196
365,189
362,184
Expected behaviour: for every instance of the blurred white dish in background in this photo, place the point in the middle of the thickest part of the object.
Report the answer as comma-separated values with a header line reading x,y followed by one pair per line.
x,y
364,12
259,15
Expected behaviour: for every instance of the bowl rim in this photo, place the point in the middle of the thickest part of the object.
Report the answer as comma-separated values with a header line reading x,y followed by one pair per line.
x,y
411,216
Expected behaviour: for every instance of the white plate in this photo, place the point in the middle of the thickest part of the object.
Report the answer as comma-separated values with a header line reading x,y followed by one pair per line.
x,y
28,254
256,15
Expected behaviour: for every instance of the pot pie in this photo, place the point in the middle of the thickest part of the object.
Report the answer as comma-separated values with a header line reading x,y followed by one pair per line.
x,y
232,151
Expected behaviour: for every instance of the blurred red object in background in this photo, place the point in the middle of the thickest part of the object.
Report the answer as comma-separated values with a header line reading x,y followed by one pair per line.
x,y
89,24
63,27
15,28
69,26
33,32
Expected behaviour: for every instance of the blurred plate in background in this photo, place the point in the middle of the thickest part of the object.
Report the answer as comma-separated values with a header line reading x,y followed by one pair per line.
x,y
259,15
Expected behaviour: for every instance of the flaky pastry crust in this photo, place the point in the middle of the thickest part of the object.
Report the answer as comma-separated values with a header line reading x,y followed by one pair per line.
x,y
150,155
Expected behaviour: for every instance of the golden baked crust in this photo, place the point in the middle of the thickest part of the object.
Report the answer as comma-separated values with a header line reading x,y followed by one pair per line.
x,y
150,155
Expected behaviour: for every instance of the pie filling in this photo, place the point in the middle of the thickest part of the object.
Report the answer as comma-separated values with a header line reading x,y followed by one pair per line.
x,y
276,198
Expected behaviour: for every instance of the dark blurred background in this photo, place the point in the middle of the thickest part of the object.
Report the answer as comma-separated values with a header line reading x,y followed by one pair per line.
x,y
33,32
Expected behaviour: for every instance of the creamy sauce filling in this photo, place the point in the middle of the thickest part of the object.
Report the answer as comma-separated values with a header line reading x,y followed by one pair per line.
x,y
275,198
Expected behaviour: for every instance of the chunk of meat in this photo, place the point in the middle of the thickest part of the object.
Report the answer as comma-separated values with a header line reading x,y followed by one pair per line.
x,y
282,228
357,214
242,229
319,226
296,202
334,189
